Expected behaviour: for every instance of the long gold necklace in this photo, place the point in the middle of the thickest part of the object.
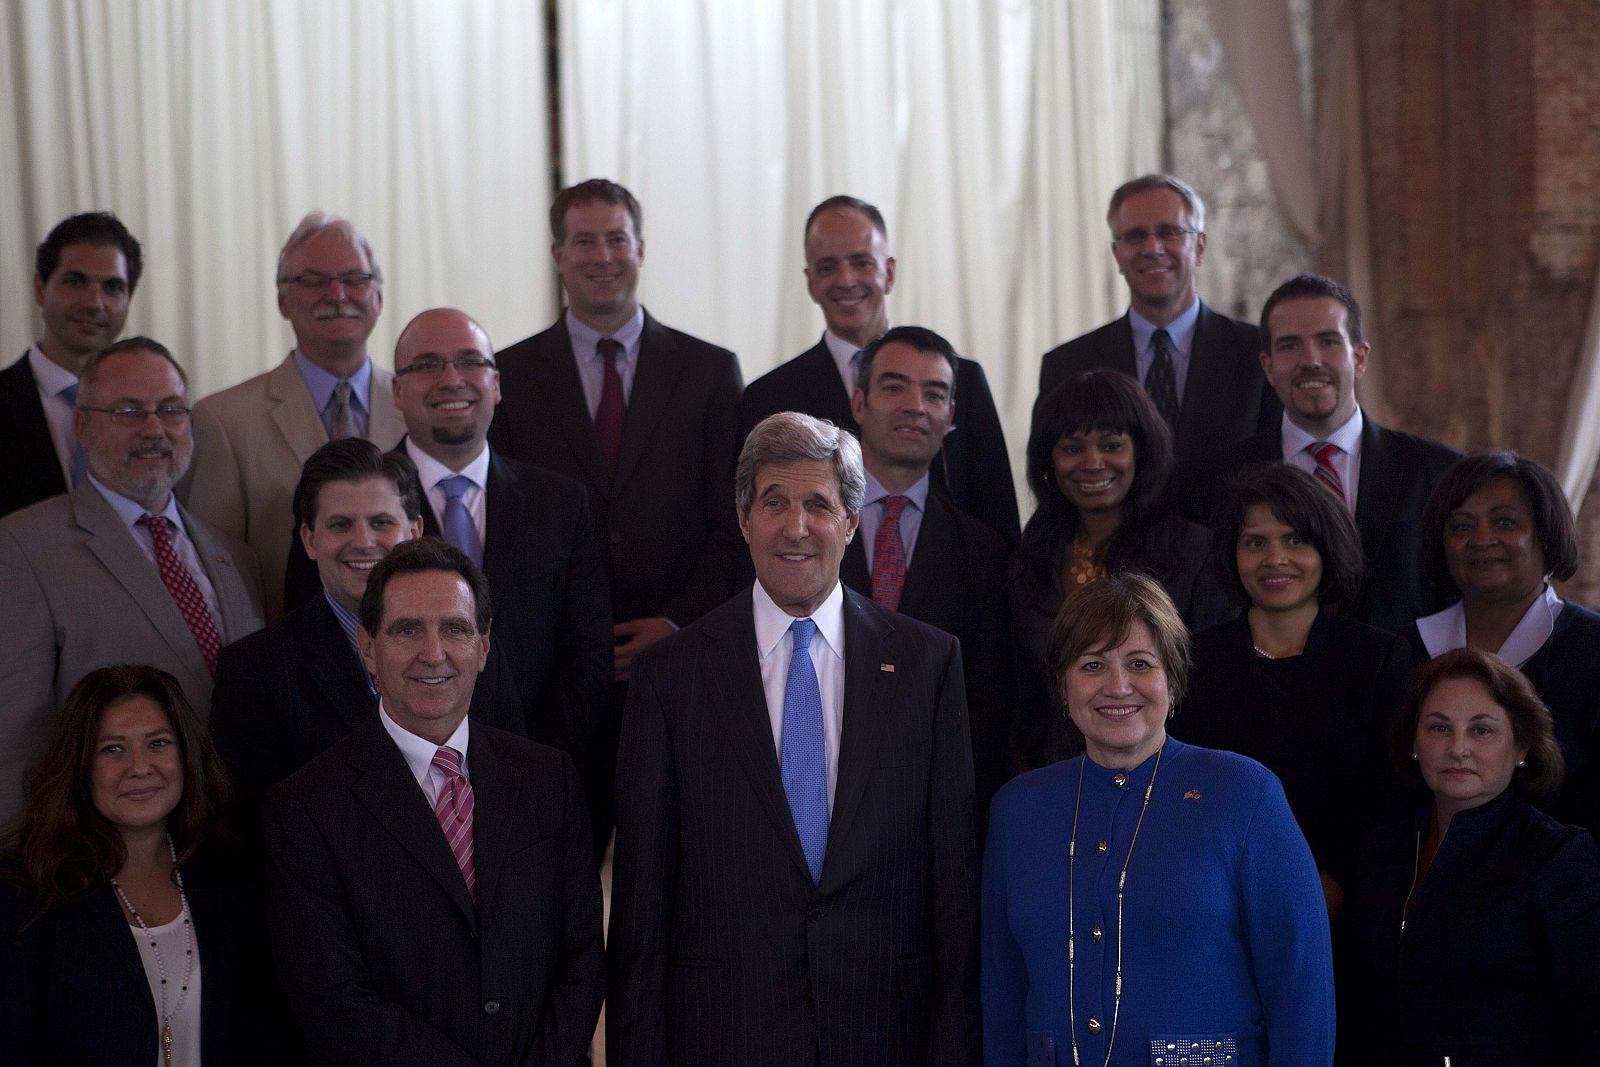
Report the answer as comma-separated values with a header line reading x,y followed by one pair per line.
x,y
1122,881
1081,565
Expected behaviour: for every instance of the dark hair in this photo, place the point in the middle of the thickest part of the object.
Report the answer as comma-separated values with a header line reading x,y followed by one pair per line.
x,y
61,847
601,189
918,337
1531,723
846,203
91,366
89,228
1552,515
1099,614
1149,183
1149,534
1302,286
418,556
355,459
1301,503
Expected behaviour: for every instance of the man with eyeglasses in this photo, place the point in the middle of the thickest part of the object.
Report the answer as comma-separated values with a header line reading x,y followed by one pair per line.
x,y
85,272
116,571
253,438
1197,364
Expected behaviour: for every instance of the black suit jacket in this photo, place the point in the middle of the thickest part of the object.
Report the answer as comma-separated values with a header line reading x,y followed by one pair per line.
x,y
33,470
722,949
285,694
671,537
957,583
1398,471
75,991
1226,398
383,954
973,465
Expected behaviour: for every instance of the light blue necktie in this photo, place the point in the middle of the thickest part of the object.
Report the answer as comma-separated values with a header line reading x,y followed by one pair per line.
x,y
459,529
80,459
805,761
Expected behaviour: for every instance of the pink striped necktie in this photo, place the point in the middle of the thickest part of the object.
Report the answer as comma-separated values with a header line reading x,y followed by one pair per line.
x,y
454,810
1323,452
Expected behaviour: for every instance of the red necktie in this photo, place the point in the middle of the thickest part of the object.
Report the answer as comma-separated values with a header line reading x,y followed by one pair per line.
x,y
889,555
608,416
454,809
185,593
1323,452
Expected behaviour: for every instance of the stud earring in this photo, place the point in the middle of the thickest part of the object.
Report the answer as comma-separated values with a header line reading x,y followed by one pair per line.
x,y
1522,763
1413,752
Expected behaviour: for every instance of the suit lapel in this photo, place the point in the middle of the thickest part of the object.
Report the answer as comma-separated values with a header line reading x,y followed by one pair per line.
x,y
655,376
385,787
937,546
338,673
828,397
866,649
1378,489
385,425
1202,380
35,460
853,570
1119,354
109,922
494,799
503,520
555,374
293,412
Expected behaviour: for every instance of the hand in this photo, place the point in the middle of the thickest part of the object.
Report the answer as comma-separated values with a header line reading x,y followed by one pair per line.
x,y
636,635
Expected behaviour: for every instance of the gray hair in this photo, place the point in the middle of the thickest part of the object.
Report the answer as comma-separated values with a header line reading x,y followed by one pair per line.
x,y
316,222
788,437
1146,183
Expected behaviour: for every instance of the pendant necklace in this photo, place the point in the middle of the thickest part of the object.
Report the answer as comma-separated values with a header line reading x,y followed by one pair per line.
x,y
1122,881
161,965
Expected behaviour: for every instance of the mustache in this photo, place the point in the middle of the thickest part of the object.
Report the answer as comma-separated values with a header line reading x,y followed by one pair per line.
x,y
344,309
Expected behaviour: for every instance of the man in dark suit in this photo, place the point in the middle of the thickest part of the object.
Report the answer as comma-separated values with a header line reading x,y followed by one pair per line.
x,y
288,692
531,529
918,553
85,272
432,897
1313,355
643,416
1198,365
796,859
849,274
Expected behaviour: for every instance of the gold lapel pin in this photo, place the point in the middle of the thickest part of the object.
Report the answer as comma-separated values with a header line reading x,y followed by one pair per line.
x,y
1192,794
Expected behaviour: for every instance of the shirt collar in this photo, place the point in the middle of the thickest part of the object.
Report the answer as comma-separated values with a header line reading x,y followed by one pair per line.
x,y
1447,629
320,383
917,494
419,751
430,472
1347,437
772,622
131,511
844,352
1180,329
586,338
48,375
347,620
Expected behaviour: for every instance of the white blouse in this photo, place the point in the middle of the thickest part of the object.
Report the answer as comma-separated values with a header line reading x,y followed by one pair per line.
x,y
170,939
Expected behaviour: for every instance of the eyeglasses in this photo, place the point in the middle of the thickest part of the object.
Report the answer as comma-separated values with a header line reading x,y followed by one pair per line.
x,y
134,415
354,280
433,366
1166,235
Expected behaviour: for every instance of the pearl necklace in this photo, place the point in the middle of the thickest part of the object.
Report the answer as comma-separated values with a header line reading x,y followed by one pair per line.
x,y
161,965
1122,881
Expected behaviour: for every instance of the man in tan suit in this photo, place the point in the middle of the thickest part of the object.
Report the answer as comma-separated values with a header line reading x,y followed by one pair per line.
x,y
115,571
252,439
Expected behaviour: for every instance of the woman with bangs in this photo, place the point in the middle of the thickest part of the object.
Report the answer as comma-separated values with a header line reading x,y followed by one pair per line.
x,y
1099,465
1289,682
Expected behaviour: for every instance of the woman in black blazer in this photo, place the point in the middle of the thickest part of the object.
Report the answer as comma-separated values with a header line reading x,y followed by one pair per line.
x,y
1099,464
1290,683
120,941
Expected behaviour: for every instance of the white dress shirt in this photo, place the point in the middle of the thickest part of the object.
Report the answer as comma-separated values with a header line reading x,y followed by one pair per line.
x,y
1347,463
419,751
776,649
1447,629
431,472
592,369
49,378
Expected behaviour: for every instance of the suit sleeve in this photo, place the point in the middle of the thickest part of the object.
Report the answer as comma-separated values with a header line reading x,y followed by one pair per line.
x,y
244,729
1005,969
645,876
991,686
24,975
27,670
715,574
566,1024
584,667
1567,903
319,957
953,877
214,488
990,492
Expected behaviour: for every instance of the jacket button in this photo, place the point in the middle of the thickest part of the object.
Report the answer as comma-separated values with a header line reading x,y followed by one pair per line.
x,y
817,915
1094,1026
616,537
1096,933
1119,779
1101,848
491,1007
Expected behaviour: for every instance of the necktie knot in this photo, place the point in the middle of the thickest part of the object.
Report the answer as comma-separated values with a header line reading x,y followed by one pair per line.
x,y
447,760
344,419
69,393
802,629
156,523
458,525
610,350
893,505
455,486
1161,380
1322,453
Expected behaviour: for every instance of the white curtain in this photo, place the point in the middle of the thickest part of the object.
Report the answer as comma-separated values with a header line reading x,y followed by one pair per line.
x,y
212,126
990,132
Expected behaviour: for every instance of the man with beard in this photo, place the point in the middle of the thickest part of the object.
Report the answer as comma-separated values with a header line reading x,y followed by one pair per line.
x,y
85,272
253,438
115,571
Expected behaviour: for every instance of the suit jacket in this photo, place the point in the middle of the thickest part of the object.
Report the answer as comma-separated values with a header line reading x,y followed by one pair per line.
x,y
957,583
250,442
285,694
1398,471
81,594
973,465
671,536
76,991
33,470
1226,398
384,955
722,949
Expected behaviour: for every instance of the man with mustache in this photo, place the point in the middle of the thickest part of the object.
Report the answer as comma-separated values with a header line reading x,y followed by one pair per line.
x,y
116,571
1197,364
85,272
254,437
1313,354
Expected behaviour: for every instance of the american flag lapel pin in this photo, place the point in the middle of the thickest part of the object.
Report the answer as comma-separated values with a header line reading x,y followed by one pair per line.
x,y
1192,794
886,668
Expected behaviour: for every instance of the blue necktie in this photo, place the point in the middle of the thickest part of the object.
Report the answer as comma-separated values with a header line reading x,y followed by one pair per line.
x,y
80,460
459,529
805,761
